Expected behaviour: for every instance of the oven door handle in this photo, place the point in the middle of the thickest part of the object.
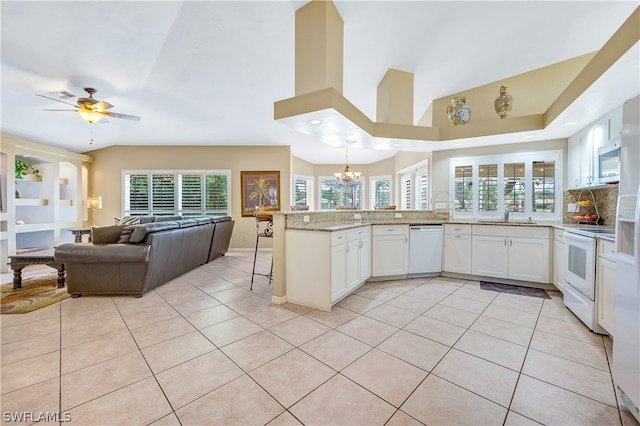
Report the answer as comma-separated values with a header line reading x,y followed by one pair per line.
x,y
576,237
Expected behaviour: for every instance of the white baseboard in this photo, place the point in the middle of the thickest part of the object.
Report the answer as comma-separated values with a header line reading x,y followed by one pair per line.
x,y
278,300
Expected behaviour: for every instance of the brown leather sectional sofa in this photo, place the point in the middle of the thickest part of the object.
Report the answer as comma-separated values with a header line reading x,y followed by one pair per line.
x,y
133,259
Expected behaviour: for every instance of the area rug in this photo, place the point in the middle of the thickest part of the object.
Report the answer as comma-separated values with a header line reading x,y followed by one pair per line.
x,y
35,293
514,289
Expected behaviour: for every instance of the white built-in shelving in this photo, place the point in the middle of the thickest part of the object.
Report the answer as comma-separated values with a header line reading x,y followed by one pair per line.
x,y
37,210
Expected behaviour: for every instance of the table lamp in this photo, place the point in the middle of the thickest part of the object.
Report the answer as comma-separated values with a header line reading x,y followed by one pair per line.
x,y
94,202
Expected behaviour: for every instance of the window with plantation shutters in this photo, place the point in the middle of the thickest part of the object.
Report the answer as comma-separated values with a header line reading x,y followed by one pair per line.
x,y
528,184
303,191
414,187
380,187
136,194
189,193
216,189
333,194
163,192
422,189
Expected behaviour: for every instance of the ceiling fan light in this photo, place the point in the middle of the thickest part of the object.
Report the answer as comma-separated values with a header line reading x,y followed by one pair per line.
x,y
90,116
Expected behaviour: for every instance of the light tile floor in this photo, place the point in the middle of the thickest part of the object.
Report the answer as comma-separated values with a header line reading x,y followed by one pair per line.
x,y
203,349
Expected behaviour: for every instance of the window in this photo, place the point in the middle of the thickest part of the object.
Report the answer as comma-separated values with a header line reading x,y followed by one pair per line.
x,y
543,186
169,193
514,187
303,191
526,183
380,191
333,193
415,187
488,188
463,188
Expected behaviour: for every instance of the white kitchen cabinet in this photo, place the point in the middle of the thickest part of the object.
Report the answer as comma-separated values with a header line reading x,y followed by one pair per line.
x,y
613,123
529,259
558,259
457,249
324,267
490,256
574,160
390,250
606,284
582,150
512,252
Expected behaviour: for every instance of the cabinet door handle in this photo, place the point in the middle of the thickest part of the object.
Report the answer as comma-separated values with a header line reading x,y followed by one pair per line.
x,y
510,243
406,240
505,241
347,249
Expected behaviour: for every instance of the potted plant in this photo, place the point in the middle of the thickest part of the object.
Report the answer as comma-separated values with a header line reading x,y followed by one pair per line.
x,y
22,168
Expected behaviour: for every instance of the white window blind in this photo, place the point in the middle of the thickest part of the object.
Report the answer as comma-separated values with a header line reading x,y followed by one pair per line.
x,y
303,191
405,192
186,193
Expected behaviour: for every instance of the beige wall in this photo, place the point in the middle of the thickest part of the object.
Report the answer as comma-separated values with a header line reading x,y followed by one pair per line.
x,y
109,163
440,159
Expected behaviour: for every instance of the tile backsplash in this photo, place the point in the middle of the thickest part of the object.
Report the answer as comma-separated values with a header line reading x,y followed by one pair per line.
x,y
605,198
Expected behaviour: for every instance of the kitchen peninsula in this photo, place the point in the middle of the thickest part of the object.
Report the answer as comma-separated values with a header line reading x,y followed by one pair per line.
x,y
321,257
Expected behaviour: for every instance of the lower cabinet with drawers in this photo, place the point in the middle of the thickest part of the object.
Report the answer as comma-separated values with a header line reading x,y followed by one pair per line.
x,y
327,266
521,253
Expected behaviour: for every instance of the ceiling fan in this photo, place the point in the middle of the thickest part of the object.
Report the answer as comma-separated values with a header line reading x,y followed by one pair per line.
x,y
90,109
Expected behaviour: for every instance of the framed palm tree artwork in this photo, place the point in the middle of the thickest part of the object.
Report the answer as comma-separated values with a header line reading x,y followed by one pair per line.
x,y
259,189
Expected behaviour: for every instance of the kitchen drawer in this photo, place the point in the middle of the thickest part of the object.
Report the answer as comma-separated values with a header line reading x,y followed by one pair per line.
x,y
390,229
607,249
511,231
457,229
357,233
558,235
338,237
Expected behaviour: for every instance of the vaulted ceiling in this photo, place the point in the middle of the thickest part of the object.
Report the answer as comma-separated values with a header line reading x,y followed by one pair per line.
x,y
208,73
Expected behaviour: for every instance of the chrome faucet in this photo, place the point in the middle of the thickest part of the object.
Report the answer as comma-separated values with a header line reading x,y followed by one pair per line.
x,y
507,210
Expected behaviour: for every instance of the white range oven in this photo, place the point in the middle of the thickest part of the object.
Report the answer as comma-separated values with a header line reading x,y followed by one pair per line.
x,y
580,274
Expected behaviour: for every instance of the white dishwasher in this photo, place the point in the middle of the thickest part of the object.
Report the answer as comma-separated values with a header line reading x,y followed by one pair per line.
x,y
425,250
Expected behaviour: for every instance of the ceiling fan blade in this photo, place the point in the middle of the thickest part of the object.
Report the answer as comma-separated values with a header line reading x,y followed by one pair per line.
x,y
101,106
65,95
125,116
57,100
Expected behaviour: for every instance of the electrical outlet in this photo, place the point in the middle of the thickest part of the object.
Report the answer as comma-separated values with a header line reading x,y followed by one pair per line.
x,y
573,208
357,216
398,215
305,218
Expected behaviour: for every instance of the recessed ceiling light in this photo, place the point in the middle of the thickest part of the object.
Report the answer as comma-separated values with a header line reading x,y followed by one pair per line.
x,y
528,137
350,141
315,122
395,144
570,123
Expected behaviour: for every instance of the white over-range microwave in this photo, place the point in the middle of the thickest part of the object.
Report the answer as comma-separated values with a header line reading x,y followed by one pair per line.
x,y
609,163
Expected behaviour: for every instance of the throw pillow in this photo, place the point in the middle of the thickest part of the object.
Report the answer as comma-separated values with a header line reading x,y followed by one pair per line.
x,y
127,220
125,235
106,234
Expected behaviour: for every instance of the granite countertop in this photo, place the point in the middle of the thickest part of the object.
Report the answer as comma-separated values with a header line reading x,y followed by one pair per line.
x,y
332,226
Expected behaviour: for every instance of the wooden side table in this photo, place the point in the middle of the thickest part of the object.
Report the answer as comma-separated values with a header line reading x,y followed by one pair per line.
x,y
79,232
43,257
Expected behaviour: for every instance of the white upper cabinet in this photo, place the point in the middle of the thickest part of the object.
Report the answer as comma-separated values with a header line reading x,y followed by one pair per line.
x,y
582,156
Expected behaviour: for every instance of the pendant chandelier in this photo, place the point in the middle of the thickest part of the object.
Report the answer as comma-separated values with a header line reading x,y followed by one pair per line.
x,y
347,177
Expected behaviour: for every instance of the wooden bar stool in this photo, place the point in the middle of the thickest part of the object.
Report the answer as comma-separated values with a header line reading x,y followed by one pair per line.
x,y
264,229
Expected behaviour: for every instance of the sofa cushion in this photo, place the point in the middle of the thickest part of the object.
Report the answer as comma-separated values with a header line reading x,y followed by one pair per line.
x,y
127,220
167,218
187,223
106,234
140,231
